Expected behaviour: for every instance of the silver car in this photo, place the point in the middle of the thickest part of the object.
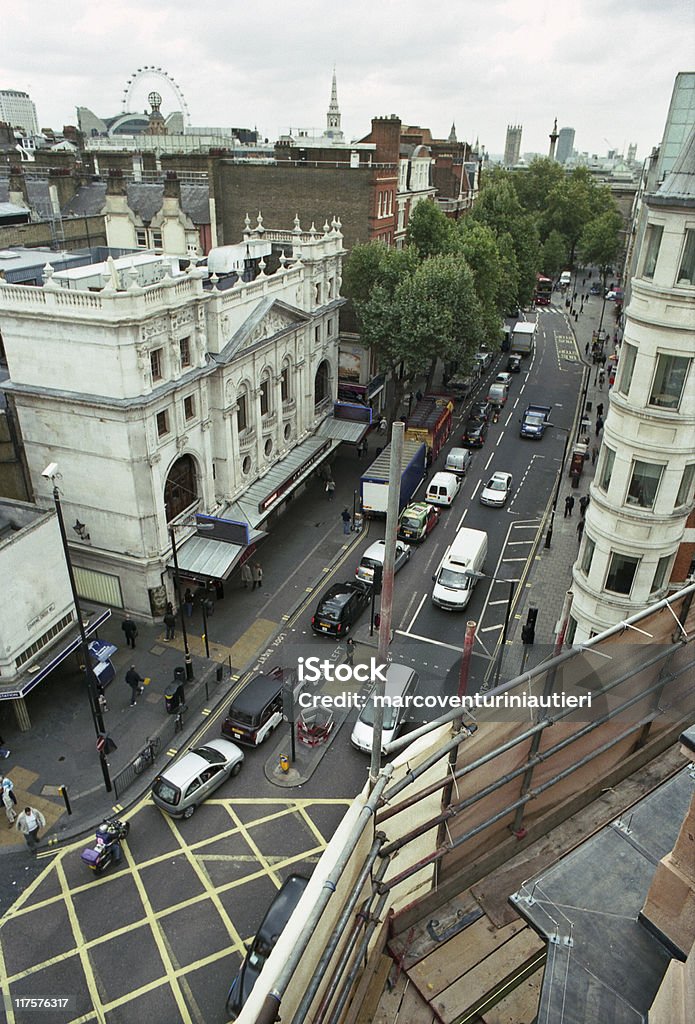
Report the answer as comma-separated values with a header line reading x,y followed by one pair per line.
x,y
374,555
189,781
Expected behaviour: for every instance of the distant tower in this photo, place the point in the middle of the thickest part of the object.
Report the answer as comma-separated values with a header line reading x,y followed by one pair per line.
x,y
512,146
553,141
333,116
565,145
631,152
452,133
157,125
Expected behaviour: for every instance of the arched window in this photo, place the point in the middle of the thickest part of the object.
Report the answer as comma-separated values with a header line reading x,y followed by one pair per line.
x,y
285,391
242,413
181,488
265,393
321,383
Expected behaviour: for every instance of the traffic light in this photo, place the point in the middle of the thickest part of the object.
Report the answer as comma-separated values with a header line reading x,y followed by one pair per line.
x,y
528,631
378,578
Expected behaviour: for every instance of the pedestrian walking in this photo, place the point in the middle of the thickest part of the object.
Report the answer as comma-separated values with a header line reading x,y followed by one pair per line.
x,y
246,575
569,505
29,821
9,800
170,623
599,425
350,651
583,505
131,631
383,424
101,698
257,574
4,752
601,379
346,517
586,349
594,455
134,681
599,409
188,599
330,488
580,530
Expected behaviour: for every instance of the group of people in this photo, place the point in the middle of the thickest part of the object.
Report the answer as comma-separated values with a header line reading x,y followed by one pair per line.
x,y
252,574
29,821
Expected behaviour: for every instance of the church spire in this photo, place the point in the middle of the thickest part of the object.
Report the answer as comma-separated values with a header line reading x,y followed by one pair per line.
x,y
452,133
333,116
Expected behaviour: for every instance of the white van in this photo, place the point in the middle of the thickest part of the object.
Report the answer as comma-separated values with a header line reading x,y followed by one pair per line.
x,y
565,277
401,683
443,488
458,461
453,584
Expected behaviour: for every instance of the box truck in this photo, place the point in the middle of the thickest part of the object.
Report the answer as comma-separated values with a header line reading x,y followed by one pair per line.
x,y
374,483
523,337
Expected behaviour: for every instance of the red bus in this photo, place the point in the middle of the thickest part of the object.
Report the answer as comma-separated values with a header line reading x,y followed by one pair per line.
x,y
543,293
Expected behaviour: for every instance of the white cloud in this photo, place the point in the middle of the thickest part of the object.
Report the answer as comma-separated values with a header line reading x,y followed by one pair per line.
x,y
483,63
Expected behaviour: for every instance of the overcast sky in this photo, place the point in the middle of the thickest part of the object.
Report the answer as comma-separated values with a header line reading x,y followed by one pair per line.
x,y
607,70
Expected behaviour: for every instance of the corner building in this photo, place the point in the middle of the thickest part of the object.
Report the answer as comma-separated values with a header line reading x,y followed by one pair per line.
x,y
642,493
163,393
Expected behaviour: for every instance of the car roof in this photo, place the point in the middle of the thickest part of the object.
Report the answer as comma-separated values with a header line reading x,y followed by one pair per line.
x,y
417,508
256,694
280,910
500,475
443,478
377,548
339,594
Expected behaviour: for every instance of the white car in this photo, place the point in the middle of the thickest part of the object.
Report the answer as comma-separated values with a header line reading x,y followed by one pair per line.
x,y
503,378
374,555
496,490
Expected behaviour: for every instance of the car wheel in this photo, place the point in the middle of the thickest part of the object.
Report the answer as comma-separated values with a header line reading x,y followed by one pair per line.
x,y
236,769
189,812
408,554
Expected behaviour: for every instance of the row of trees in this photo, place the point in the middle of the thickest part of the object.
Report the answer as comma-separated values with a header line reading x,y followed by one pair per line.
x,y
445,293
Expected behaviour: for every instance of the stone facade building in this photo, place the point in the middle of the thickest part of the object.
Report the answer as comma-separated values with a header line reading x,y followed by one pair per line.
x,y
162,394
643,492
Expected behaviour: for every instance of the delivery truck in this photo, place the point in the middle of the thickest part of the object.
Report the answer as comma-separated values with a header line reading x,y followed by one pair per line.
x,y
523,337
431,422
374,483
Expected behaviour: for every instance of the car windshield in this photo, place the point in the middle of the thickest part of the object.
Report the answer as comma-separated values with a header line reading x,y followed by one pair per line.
x,y
369,563
166,792
496,485
453,580
410,522
534,420
390,714
472,427
209,754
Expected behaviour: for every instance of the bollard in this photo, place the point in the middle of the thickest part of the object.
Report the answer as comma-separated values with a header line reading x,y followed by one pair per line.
x,y
63,790
284,764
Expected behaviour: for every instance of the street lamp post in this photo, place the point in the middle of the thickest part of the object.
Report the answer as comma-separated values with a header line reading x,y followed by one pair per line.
x,y
472,574
177,583
556,495
94,708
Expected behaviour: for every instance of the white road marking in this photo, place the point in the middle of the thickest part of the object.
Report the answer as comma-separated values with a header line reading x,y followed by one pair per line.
x,y
513,560
490,603
492,455
429,640
417,612
488,629
512,543
465,513
515,404
499,439
475,489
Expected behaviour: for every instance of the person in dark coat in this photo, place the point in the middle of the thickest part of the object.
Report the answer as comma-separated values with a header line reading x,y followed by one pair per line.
x,y
599,425
170,623
583,505
346,517
131,631
188,599
134,681
580,530
569,505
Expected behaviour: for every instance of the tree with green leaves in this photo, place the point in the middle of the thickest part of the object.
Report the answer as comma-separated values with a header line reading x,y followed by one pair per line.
x,y
429,231
554,254
499,208
601,242
534,185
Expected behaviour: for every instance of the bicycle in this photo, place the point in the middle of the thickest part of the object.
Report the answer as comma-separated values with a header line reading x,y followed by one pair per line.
x,y
178,721
147,755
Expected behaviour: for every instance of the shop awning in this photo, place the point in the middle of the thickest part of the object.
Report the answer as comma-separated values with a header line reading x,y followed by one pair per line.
x,y
343,430
263,496
23,684
204,558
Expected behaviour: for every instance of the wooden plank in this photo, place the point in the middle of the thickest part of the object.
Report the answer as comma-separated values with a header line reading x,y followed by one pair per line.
x,y
403,1005
460,954
471,989
416,943
370,1002
520,1006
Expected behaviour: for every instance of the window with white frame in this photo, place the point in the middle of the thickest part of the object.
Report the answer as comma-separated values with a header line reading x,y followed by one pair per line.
x,y
669,381
242,417
652,244
156,361
156,239
606,468
662,567
628,355
185,350
685,490
621,573
644,483
587,555
285,383
141,238
686,273
189,407
265,396
162,423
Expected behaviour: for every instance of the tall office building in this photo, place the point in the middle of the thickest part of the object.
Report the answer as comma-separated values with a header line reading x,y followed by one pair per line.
x,y
512,146
18,110
680,120
565,145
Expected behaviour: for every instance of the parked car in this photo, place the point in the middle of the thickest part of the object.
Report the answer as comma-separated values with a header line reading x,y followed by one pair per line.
x,y
186,783
340,607
497,490
615,295
505,379
595,289
484,357
497,394
375,554
458,460
474,433
417,521
514,363
276,917
480,411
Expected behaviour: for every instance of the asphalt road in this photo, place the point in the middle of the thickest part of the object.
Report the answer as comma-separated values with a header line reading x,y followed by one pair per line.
x,y
160,938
